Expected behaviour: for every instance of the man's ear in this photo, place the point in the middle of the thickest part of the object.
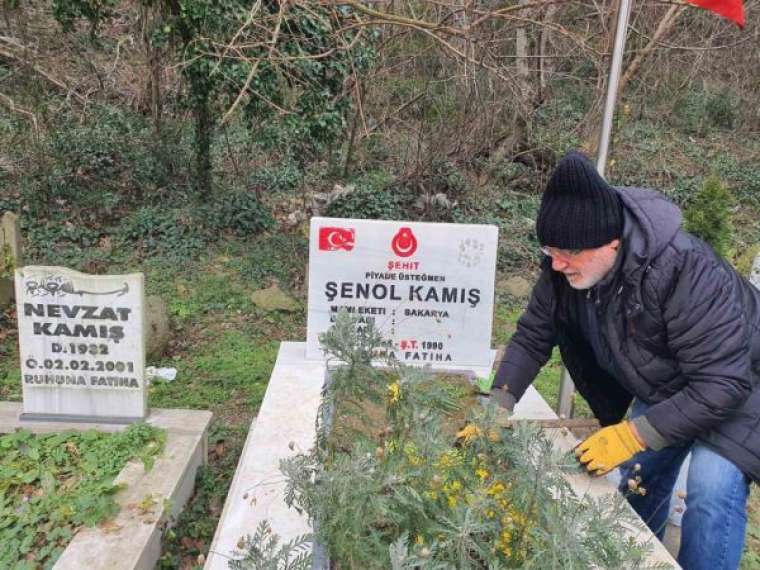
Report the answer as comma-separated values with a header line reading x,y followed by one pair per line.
x,y
615,244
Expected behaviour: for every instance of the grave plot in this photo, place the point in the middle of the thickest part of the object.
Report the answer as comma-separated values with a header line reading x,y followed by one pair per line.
x,y
82,352
259,494
273,497
147,500
54,484
408,469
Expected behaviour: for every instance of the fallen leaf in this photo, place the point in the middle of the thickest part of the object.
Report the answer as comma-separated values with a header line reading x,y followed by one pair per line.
x,y
110,527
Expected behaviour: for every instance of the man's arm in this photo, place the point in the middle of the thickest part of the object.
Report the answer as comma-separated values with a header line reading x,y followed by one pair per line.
x,y
531,345
708,336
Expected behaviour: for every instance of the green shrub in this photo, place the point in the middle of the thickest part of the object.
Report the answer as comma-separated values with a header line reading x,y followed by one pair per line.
x,y
699,111
280,257
708,215
98,166
279,178
169,231
744,261
445,177
372,198
59,242
742,175
238,212
721,108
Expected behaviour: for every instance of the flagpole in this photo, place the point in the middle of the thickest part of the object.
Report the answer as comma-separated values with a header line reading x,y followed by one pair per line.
x,y
616,68
566,387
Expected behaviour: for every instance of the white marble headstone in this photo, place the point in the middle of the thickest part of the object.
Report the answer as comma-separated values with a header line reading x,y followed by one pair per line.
x,y
81,345
754,274
429,288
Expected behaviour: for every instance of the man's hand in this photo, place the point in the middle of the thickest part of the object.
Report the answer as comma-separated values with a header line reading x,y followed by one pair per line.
x,y
609,447
504,399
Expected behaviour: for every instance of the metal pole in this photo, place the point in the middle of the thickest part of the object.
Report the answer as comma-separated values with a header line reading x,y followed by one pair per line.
x,y
621,34
566,386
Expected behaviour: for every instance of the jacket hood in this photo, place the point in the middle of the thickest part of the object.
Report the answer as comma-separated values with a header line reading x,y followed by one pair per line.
x,y
650,222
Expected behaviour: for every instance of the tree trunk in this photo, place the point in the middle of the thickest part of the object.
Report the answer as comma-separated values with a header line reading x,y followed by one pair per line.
x,y
665,25
203,129
154,87
522,49
544,64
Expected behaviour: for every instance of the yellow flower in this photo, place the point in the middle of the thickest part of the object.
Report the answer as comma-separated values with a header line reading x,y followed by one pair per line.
x,y
419,539
410,450
482,473
503,543
452,501
469,433
394,392
448,460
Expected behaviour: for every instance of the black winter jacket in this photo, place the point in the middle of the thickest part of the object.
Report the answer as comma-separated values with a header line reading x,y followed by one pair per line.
x,y
682,329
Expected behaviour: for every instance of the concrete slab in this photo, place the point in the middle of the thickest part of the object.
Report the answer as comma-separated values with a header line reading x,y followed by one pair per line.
x,y
287,414
132,541
286,425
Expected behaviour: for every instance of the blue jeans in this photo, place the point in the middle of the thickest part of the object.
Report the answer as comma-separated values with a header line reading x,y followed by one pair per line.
x,y
713,525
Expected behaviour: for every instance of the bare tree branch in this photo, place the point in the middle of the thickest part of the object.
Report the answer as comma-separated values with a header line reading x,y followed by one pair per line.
x,y
13,107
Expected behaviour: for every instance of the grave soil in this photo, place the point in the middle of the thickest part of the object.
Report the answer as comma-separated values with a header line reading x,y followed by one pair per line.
x,y
367,418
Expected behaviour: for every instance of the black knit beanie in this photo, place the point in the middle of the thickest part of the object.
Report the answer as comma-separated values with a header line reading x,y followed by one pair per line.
x,y
579,210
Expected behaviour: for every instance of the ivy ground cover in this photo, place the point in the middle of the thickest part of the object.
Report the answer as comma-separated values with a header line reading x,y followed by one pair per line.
x,y
51,485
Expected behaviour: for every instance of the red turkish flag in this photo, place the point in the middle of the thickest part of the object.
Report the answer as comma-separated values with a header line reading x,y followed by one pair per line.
x,y
731,9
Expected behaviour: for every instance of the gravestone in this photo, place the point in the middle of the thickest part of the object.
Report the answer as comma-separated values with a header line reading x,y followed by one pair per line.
x,y
10,255
157,329
428,288
82,346
754,274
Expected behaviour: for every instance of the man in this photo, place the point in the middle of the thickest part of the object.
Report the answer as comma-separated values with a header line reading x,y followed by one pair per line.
x,y
644,312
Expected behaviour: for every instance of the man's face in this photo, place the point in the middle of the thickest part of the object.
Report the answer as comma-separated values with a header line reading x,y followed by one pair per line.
x,y
586,267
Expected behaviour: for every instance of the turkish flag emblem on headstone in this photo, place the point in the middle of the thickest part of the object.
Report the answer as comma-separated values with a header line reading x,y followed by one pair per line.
x,y
335,239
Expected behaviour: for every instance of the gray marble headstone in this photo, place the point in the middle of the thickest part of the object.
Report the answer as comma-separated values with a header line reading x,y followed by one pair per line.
x,y
82,345
754,274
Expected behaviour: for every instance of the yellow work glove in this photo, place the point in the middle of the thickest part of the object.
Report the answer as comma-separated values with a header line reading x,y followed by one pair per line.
x,y
609,447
